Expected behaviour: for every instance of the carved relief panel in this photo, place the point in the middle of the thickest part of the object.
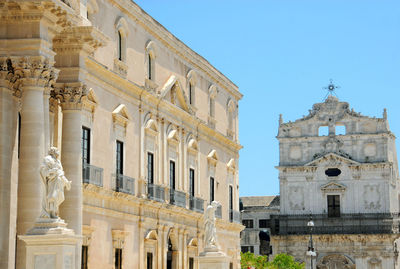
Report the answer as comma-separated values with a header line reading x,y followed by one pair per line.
x,y
372,194
296,198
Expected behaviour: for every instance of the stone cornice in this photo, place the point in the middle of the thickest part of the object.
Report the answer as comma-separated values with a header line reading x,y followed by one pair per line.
x,y
177,46
312,169
343,137
132,90
58,14
77,39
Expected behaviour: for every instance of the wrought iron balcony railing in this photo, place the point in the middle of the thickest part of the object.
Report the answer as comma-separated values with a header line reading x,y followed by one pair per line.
x,y
368,223
234,216
124,184
196,204
177,198
156,192
92,174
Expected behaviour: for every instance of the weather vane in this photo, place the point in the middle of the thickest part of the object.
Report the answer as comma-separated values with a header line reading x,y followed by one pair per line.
x,y
331,89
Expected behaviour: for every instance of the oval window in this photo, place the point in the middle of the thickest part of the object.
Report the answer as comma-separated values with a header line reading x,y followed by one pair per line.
x,y
332,172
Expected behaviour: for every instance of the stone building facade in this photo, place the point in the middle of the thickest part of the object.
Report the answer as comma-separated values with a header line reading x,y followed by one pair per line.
x,y
339,168
147,129
255,213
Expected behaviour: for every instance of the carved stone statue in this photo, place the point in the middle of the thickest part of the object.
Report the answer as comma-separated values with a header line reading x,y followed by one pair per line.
x,y
210,233
53,183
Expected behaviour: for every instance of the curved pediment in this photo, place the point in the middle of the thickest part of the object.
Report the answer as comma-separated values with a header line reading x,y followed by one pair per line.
x,y
152,235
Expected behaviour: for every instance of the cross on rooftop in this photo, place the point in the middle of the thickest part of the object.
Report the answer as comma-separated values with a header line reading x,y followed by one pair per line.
x,y
331,89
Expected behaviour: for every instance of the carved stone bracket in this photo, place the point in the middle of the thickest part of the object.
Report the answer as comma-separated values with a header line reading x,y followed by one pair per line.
x,y
70,95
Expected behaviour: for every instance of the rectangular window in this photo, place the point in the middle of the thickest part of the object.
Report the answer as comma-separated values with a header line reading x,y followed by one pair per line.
x,y
120,158
150,66
149,260
211,189
263,223
85,145
118,258
172,175
190,93
247,249
212,107
231,203
150,168
84,260
19,133
191,263
230,265
333,206
249,223
119,46
191,182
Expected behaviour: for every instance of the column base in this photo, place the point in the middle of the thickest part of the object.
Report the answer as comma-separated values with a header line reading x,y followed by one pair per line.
x,y
50,245
213,260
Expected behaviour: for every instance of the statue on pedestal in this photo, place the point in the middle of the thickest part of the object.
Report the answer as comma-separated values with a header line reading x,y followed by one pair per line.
x,y
210,231
53,183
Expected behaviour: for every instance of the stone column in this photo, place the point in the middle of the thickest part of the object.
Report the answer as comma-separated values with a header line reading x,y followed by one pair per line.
x,y
32,75
70,96
180,249
8,120
185,251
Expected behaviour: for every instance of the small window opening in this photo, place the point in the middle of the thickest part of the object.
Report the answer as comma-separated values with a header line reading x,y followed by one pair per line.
x,y
340,130
332,172
119,46
323,131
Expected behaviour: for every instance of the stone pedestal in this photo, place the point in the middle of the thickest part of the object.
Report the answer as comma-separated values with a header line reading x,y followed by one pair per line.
x,y
50,245
213,260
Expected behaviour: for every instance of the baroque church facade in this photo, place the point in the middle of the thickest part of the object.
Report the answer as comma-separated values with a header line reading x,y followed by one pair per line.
x,y
146,127
339,169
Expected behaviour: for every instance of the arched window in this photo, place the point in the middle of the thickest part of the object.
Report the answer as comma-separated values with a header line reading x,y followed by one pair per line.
x,y
212,94
150,56
122,34
119,46
191,85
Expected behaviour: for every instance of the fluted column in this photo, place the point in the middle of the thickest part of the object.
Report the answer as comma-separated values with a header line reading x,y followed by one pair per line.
x,y
32,75
70,96
8,119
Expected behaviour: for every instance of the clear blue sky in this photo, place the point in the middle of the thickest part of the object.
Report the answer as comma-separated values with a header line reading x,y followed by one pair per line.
x,y
282,53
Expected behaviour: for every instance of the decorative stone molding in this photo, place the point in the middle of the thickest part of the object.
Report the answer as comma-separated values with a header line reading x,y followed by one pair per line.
x,y
151,126
173,136
121,116
231,166
192,144
87,231
212,157
73,40
176,93
90,103
70,95
151,235
333,187
32,71
118,237
120,67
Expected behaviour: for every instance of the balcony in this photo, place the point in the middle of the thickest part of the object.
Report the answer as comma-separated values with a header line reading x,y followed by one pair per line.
x,y
177,198
92,175
369,223
234,216
218,212
196,204
125,184
156,193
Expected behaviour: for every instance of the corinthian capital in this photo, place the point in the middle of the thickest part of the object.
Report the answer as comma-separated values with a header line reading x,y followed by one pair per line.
x,y
70,94
6,74
33,71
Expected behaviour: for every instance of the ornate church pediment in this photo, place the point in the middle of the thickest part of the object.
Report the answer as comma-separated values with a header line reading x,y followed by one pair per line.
x,y
332,159
172,91
333,187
